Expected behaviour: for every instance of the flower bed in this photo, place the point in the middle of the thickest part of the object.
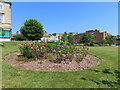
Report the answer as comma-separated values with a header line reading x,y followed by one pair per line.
x,y
54,52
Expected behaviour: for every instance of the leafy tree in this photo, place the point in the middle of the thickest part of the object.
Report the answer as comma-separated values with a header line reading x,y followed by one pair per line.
x,y
19,37
3,32
71,38
32,30
64,37
87,38
118,37
110,39
104,41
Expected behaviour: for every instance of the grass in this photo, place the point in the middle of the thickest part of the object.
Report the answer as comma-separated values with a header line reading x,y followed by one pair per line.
x,y
104,75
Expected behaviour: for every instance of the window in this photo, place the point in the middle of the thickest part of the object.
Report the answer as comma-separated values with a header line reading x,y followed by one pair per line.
x,y
6,35
1,18
1,7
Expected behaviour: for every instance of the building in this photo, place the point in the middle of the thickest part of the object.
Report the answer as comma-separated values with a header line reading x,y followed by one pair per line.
x,y
49,38
99,35
5,20
57,35
77,37
45,33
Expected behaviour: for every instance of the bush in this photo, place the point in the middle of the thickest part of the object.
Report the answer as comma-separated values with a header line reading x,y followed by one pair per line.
x,y
100,44
19,37
53,51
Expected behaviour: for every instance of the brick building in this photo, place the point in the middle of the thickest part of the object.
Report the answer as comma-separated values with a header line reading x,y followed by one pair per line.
x,y
99,35
5,20
77,37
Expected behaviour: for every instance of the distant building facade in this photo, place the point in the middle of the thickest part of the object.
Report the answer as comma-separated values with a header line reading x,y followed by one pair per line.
x,y
99,35
5,20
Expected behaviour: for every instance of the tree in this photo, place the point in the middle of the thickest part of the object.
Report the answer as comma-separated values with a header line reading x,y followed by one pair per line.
x,y
118,37
19,37
32,30
64,37
71,38
2,32
110,39
87,38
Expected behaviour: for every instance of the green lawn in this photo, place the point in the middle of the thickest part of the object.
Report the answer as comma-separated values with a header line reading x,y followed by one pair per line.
x,y
104,75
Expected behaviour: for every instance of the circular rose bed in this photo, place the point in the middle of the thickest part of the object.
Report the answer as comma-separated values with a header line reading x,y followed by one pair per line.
x,y
52,57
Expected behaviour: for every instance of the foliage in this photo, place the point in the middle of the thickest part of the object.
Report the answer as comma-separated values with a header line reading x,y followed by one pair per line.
x,y
54,51
71,38
118,37
19,37
87,38
64,37
32,30
3,32
110,39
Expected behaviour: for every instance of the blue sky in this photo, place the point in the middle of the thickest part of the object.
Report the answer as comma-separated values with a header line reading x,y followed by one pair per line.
x,y
59,17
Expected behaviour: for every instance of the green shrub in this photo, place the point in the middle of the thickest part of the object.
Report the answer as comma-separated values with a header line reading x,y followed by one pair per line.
x,y
55,52
19,37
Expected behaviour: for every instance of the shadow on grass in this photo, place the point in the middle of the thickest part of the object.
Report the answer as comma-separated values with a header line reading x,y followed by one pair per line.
x,y
112,84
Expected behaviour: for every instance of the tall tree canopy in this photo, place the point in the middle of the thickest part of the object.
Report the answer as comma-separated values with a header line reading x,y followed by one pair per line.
x,y
71,38
87,38
64,37
110,39
32,30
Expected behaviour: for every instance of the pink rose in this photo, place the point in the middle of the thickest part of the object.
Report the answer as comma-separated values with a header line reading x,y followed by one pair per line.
x,y
31,47
37,50
54,50
41,48
71,47
41,52
28,45
59,51
56,45
67,56
65,45
50,51
36,47
74,45
58,48
76,42
69,44
19,44
42,43
80,47
62,46
87,48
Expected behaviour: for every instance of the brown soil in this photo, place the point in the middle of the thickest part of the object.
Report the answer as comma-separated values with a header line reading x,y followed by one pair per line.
x,y
45,65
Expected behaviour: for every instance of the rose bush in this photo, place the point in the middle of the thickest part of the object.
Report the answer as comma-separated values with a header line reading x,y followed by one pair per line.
x,y
54,52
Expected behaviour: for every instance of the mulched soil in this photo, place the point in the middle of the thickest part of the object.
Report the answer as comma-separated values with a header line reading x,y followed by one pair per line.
x,y
45,65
